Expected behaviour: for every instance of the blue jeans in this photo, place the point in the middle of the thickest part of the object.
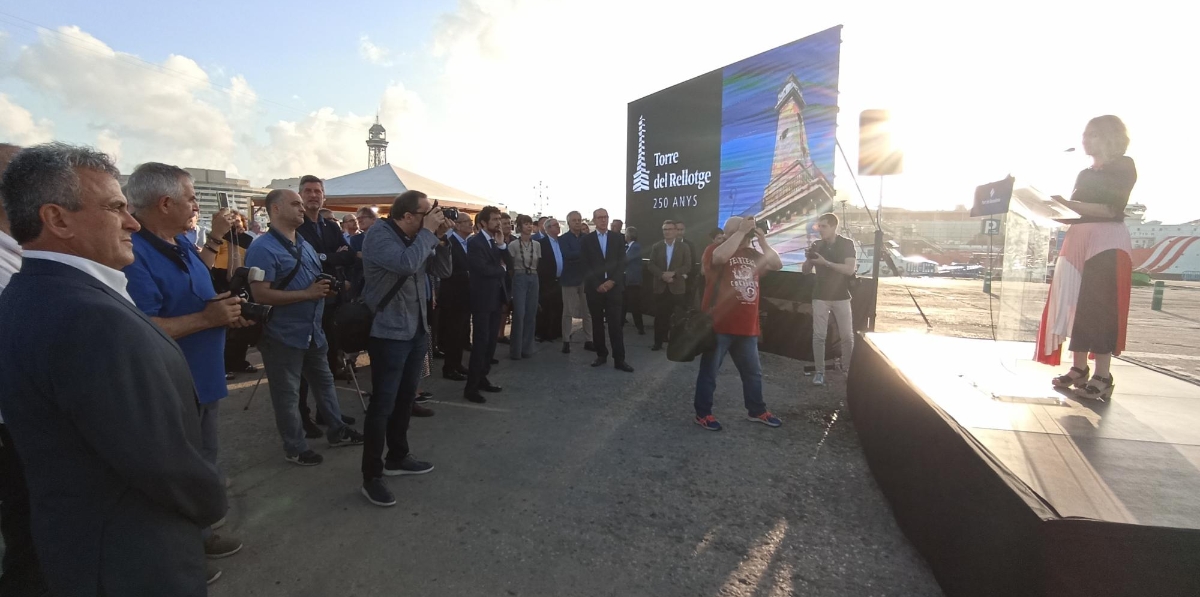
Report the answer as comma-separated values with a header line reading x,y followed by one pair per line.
x,y
524,312
744,350
395,372
284,366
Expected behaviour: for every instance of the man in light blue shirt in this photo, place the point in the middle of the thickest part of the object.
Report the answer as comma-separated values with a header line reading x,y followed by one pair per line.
x,y
293,342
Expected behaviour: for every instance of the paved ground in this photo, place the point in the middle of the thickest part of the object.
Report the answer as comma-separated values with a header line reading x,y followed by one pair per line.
x,y
577,481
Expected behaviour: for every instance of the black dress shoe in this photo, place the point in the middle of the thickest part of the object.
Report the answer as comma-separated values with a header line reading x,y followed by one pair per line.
x,y
641,332
495,362
475,397
311,431
656,346
489,387
589,346
437,354
503,340
421,411
599,361
566,348
623,366
454,376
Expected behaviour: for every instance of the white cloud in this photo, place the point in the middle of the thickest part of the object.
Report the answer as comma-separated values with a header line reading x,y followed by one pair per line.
x,y
17,125
108,142
377,55
168,108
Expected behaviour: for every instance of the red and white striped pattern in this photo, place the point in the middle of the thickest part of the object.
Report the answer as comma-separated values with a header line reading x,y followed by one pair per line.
x,y
1173,253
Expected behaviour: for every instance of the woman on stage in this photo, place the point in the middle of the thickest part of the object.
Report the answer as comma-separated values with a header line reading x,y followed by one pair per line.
x,y
1089,297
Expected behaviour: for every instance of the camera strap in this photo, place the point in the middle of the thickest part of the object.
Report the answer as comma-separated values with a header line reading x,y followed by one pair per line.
x,y
395,289
295,251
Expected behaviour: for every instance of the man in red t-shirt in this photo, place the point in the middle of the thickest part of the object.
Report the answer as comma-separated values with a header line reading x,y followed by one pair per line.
x,y
731,295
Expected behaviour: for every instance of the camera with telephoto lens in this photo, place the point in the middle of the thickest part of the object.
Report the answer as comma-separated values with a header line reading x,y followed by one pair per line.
x,y
334,283
239,286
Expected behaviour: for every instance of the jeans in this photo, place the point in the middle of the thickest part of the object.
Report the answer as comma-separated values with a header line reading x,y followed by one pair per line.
x,y
574,304
284,366
744,350
606,307
395,373
524,312
485,325
845,324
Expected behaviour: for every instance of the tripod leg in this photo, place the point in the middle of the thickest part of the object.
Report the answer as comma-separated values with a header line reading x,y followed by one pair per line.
x,y
255,390
354,378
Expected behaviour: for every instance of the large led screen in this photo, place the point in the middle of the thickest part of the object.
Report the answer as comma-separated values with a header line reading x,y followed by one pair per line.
x,y
755,138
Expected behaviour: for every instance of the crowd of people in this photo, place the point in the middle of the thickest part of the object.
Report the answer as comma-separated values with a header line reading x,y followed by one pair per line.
x,y
118,484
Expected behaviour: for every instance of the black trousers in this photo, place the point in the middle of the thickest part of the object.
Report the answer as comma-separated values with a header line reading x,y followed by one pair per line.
x,y
606,307
22,576
434,330
454,334
550,307
395,373
665,305
237,343
633,304
484,333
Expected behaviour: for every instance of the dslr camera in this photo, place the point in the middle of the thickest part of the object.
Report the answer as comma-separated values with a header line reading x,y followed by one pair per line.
x,y
334,283
239,286
451,213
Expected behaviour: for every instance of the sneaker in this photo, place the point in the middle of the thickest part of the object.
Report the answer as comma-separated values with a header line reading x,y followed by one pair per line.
x,y
767,419
217,547
378,494
423,397
213,573
819,379
347,437
710,423
408,466
306,458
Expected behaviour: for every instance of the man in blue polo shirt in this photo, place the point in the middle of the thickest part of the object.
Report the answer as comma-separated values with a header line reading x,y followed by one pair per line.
x,y
293,343
169,281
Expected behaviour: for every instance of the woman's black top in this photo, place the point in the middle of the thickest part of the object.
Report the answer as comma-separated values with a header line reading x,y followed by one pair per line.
x,y
1109,184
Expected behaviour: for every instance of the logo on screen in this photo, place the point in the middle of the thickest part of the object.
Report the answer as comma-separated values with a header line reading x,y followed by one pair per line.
x,y
641,176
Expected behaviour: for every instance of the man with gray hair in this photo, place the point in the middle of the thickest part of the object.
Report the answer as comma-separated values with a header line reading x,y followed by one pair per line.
x,y
574,299
107,428
170,281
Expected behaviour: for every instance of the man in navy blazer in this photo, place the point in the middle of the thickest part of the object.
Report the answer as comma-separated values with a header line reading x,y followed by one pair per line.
x,y
107,427
603,255
487,263
454,302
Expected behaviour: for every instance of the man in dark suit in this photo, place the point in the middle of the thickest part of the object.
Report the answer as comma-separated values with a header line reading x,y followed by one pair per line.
x,y
670,267
320,230
693,268
487,262
455,302
107,428
604,282
550,268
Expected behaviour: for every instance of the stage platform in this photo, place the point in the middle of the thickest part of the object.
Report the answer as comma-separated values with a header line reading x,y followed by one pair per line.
x,y
1008,487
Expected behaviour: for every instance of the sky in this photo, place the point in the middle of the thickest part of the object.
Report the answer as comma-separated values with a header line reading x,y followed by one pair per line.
x,y
495,96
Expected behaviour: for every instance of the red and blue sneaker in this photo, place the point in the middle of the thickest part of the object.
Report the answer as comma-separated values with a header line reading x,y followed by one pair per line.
x,y
708,422
767,419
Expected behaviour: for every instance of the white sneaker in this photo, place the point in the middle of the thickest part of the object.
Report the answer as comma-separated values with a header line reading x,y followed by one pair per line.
x,y
819,379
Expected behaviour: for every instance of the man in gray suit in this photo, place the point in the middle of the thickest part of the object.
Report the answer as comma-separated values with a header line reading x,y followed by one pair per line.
x,y
670,265
99,401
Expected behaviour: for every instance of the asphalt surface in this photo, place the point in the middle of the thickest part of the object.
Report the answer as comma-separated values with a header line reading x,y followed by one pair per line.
x,y
576,481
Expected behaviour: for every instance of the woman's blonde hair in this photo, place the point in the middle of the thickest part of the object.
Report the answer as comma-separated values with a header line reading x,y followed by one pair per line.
x,y
1111,133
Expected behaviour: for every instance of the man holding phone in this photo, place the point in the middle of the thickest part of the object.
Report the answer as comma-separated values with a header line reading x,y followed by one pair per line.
x,y
833,259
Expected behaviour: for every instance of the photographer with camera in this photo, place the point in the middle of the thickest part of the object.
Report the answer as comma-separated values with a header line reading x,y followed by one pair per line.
x,y
833,258
398,256
170,282
293,343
